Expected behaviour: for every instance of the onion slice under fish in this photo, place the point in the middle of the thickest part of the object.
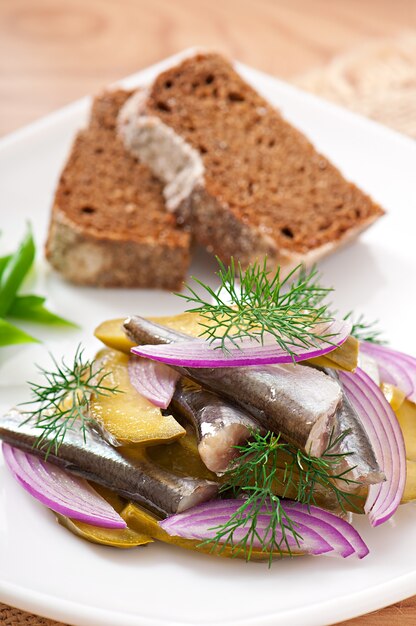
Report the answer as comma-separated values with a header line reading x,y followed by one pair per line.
x,y
155,381
60,491
321,532
395,367
202,353
386,438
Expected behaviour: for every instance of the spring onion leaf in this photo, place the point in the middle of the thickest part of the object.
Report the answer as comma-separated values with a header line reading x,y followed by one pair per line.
x,y
3,262
32,309
11,335
15,271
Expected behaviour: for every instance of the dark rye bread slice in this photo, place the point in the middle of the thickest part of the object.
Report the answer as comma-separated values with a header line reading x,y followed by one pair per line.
x,y
265,189
109,225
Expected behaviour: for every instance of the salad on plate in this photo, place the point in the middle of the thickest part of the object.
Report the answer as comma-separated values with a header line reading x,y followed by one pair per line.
x,y
257,424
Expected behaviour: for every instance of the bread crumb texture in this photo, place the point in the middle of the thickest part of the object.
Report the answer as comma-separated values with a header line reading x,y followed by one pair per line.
x,y
109,224
266,177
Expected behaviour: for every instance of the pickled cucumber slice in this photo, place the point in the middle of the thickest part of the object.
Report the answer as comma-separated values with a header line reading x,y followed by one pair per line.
x,y
406,414
182,458
114,537
111,333
143,522
394,396
409,493
127,417
117,538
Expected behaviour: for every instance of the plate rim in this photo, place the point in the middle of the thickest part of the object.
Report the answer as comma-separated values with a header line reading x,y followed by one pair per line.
x,y
353,604
365,602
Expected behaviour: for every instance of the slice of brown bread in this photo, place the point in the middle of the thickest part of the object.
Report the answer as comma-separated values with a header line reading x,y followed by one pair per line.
x,y
109,225
264,189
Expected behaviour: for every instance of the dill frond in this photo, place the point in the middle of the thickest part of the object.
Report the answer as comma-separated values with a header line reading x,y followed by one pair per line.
x,y
60,402
254,303
254,475
365,331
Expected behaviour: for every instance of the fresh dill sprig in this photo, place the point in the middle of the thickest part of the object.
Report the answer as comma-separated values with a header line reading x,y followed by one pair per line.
x,y
253,476
309,282
365,331
61,402
307,474
253,303
266,465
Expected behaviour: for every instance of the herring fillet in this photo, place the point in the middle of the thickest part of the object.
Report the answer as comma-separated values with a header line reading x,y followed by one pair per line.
x,y
297,401
300,402
220,425
362,461
94,459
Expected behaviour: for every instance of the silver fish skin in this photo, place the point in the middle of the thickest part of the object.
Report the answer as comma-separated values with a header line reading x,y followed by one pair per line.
x,y
361,460
219,425
145,332
299,402
94,459
257,389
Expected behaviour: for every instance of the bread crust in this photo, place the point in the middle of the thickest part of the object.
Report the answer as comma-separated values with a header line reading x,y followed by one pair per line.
x,y
86,257
222,234
226,223
109,225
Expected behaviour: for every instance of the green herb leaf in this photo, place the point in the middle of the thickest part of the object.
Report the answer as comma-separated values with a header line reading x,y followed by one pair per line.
x,y
253,302
267,465
365,331
15,271
11,335
3,262
31,308
61,402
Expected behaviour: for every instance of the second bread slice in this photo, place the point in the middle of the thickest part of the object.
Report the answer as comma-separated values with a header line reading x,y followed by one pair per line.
x,y
109,224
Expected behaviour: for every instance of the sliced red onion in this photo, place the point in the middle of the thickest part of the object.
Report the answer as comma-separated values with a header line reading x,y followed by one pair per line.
x,y
395,367
322,532
60,491
201,353
357,544
155,381
384,432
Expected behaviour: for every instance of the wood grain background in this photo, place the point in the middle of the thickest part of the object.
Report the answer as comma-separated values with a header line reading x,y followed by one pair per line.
x,y
54,51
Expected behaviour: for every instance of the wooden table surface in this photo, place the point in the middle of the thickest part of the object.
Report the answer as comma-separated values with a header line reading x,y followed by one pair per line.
x,y
54,51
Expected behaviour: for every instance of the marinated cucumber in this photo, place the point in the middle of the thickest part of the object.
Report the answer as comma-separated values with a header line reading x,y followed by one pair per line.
x,y
128,417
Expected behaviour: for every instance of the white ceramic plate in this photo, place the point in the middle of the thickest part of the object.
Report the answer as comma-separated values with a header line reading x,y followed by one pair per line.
x,y
43,568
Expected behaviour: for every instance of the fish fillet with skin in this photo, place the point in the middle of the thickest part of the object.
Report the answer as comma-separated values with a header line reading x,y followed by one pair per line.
x,y
355,444
299,402
219,425
94,459
306,405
